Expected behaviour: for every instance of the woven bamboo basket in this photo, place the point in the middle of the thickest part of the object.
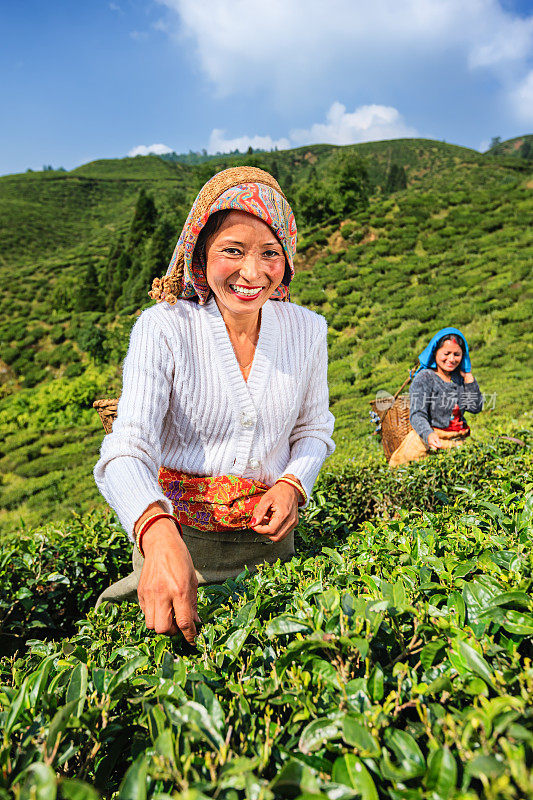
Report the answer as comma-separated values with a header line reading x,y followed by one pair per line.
x,y
107,411
393,412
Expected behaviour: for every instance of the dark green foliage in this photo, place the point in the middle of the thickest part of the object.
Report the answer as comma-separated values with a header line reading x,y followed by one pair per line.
x,y
86,553
9,354
144,219
57,334
155,261
109,273
63,354
353,184
390,658
396,179
73,370
316,202
313,296
89,297
92,338
33,374
120,277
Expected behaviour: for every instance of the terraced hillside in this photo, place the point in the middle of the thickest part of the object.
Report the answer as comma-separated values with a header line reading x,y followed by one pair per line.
x,y
397,239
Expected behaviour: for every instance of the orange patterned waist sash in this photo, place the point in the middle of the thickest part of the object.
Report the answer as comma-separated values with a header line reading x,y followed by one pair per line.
x,y
212,503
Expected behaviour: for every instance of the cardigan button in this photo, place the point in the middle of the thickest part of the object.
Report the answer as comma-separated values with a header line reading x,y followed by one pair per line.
x,y
247,421
253,463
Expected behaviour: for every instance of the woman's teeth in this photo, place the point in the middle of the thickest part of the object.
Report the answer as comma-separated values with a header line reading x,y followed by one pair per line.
x,y
244,291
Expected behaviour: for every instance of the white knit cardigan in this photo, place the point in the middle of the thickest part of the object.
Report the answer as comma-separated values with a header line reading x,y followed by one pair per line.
x,y
186,406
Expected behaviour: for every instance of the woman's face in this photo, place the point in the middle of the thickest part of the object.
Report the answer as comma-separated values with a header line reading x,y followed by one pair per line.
x,y
448,356
245,263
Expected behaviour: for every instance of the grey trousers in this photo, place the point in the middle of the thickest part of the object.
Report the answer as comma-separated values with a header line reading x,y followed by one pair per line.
x,y
216,556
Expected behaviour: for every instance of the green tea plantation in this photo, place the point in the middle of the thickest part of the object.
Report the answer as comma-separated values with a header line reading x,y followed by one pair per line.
x,y
390,658
396,240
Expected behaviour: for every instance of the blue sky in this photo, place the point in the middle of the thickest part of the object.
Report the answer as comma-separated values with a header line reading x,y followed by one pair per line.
x,y
100,79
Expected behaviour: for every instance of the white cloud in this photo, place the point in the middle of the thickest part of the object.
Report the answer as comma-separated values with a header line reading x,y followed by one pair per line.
x,y
366,124
218,143
285,46
484,146
497,46
522,99
151,149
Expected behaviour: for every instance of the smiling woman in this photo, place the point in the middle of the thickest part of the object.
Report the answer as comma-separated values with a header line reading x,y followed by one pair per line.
x,y
223,422
442,390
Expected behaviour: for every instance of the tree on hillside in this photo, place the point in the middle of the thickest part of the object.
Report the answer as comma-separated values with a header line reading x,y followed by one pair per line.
x,y
154,261
526,151
160,251
108,274
120,277
202,174
494,142
89,297
396,179
315,202
144,219
353,184
92,338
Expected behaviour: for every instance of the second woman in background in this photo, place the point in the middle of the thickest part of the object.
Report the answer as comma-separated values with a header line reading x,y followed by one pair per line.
x,y
442,389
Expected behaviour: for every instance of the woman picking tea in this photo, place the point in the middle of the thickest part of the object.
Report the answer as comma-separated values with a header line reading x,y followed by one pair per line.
x,y
442,390
223,423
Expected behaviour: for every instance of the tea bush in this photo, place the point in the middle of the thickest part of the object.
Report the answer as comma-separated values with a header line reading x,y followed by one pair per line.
x,y
390,658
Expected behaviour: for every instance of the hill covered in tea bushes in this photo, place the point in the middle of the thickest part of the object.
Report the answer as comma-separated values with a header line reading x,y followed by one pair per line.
x,y
397,239
390,659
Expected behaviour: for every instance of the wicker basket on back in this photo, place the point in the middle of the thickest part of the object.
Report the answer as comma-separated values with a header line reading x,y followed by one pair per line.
x,y
393,413
107,411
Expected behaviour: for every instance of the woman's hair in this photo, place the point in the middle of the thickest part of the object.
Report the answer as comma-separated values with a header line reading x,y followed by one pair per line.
x,y
213,224
169,287
451,337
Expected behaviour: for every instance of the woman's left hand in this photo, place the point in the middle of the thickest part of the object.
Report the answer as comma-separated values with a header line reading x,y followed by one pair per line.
x,y
467,376
276,514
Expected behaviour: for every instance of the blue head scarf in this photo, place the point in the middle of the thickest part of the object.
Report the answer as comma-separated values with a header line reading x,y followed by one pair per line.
x,y
427,356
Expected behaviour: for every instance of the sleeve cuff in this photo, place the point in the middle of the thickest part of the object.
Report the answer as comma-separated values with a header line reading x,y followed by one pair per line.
x,y
424,433
129,489
307,457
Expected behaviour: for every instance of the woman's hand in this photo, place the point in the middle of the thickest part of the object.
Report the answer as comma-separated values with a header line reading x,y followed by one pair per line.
x,y
467,376
434,442
276,514
168,585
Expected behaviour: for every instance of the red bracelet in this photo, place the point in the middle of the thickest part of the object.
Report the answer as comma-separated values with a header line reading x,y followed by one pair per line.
x,y
149,522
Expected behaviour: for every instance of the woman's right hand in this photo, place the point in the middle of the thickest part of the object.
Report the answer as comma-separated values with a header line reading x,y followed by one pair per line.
x,y
168,585
434,442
